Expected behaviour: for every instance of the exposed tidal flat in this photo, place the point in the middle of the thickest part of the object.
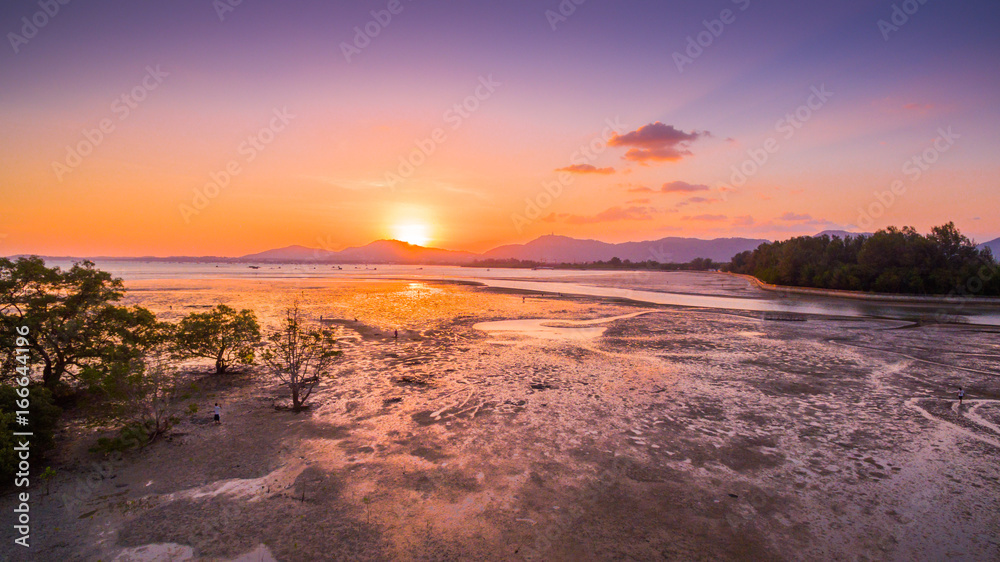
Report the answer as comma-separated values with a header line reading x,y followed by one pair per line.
x,y
504,423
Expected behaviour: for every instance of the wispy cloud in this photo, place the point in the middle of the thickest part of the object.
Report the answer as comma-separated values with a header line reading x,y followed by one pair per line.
x,y
698,201
795,217
614,214
682,187
706,218
586,169
635,188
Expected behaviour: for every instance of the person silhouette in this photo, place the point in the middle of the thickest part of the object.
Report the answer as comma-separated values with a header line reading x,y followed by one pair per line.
x,y
961,395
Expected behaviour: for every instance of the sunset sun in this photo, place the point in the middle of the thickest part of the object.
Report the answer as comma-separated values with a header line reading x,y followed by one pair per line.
x,y
411,233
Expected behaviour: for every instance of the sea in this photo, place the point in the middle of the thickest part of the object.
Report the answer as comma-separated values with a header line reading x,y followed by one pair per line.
x,y
712,290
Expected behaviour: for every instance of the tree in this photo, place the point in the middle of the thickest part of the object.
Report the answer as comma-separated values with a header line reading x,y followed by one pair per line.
x,y
893,260
225,335
70,315
43,415
140,391
299,356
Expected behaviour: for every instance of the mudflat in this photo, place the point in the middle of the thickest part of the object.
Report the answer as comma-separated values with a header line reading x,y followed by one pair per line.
x,y
593,429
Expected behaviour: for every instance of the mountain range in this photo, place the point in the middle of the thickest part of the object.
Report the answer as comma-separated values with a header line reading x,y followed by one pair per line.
x,y
380,251
555,249
550,249
665,250
993,245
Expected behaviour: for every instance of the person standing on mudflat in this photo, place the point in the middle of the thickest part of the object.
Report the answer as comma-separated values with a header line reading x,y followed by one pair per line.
x,y
218,413
961,395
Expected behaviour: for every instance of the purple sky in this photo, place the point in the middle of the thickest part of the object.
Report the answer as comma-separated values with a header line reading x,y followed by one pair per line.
x,y
328,176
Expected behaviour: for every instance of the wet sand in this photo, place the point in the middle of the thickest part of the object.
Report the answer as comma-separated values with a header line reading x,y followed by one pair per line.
x,y
584,431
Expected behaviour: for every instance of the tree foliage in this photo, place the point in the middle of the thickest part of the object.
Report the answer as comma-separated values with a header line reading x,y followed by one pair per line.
x,y
224,335
299,356
71,315
140,394
42,417
892,260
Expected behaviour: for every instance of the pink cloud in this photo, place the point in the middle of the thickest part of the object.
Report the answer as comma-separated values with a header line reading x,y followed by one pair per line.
x,y
682,187
633,188
694,200
706,218
656,142
795,217
614,214
586,169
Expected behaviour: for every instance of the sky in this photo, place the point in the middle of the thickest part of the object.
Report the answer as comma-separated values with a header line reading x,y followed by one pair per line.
x,y
228,127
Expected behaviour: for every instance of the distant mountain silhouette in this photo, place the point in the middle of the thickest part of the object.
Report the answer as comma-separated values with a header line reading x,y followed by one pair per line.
x,y
558,249
841,233
380,251
993,245
289,254
551,249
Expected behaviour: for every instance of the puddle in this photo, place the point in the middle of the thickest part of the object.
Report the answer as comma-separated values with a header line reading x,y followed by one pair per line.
x,y
985,316
259,554
165,552
552,329
172,552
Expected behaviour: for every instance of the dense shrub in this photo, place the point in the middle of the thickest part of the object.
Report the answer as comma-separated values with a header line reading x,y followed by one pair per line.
x,y
890,261
42,416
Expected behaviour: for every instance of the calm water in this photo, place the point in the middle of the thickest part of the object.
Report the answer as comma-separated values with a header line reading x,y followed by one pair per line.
x,y
703,290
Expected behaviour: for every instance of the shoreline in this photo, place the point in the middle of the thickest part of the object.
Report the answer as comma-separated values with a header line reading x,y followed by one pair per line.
x,y
816,302
860,295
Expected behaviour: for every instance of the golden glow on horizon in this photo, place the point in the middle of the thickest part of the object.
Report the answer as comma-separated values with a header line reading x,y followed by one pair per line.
x,y
411,233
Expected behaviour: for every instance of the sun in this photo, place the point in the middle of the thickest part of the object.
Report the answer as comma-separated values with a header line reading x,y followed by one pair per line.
x,y
411,233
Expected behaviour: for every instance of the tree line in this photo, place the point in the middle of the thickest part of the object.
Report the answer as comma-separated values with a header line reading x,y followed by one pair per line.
x,y
82,342
892,260
697,264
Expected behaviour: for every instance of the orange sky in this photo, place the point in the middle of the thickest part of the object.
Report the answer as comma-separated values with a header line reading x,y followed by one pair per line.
x,y
316,141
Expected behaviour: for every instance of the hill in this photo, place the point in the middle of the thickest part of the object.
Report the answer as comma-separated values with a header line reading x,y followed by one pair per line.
x,y
563,249
840,234
380,251
993,245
